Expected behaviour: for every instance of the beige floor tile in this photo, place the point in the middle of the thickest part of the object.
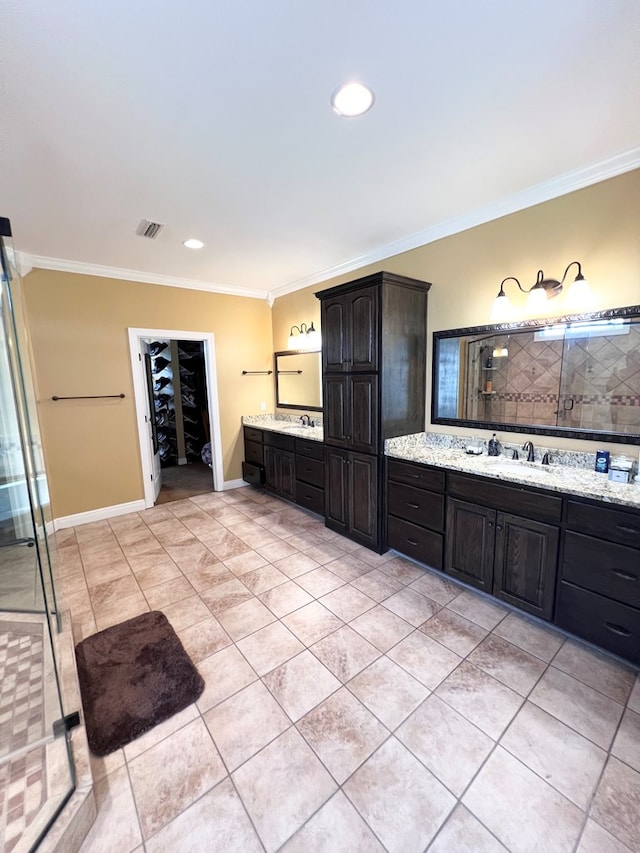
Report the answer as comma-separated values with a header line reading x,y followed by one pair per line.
x,y
336,826
381,627
260,580
402,570
588,712
377,585
101,766
248,561
484,701
425,659
276,550
448,745
107,593
411,606
342,733
524,812
301,684
172,775
596,669
463,833
282,786
348,567
187,612
168,593
295,565
626,746
634,698
472,606
157,574
217,821
347,602
565,759
245,723
204,639
160,732
388,691
595,839
191,556
208,576
120,611
436,587
117,568
225,595
345,653
285,598
224,674
530,636
245,618
319,581
312,622
403,803
454,631
116,826
616,805
226,546
253,534
507,663
270,647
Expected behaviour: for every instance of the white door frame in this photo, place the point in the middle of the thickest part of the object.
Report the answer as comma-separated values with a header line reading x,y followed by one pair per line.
x,y
139,390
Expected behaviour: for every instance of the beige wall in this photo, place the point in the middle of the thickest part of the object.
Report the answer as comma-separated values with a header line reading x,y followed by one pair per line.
x,y
78,326
599,226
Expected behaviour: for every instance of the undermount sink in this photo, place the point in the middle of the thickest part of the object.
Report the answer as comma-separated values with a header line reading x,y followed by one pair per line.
x,y
517,466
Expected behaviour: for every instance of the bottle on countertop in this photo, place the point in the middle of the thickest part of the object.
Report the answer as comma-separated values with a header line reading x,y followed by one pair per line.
x,y
493,446
602,461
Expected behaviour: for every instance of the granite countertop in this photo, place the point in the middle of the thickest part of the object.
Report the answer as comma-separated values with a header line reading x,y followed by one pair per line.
x,y
286,424
567,479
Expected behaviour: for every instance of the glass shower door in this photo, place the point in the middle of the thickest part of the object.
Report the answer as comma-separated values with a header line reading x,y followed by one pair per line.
x,y
36,768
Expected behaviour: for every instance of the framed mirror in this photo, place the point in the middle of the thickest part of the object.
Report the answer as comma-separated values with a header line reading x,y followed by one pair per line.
x,y
298,380
576,376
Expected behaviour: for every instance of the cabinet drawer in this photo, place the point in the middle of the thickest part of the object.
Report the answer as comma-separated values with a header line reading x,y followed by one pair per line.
x,y
605,522
254,452
416,505
253,434
310,471
416,542
415,475
276,439
606,623
310,497
522,501
312,449
603,567
253,474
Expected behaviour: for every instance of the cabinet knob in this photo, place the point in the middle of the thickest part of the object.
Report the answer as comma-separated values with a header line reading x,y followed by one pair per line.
x,y
490,524
498,527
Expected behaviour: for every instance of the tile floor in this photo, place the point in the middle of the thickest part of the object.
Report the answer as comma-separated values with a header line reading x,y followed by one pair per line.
x,y
353,702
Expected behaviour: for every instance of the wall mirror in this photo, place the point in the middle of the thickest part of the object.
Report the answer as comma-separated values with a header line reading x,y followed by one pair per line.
x,y
298,380
576,376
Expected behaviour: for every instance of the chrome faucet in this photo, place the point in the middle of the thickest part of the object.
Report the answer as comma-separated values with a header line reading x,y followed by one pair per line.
x,y
528,446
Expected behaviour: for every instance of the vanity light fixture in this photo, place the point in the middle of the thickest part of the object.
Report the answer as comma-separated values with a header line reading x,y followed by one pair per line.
x,y
543,290
304,337
193,243
352,99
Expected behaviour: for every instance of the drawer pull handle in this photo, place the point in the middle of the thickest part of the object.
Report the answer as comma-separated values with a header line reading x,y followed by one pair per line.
x,y
412,541
627,528
413,506
626,576
415,476
617,629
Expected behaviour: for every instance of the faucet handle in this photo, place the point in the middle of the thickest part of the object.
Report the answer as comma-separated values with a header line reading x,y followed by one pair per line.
x,y
545,459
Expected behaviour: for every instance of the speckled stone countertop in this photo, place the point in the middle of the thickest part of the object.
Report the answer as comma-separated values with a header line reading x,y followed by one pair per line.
x,y
567,477
287,425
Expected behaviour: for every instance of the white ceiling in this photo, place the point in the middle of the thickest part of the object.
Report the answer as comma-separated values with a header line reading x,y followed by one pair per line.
x,y
213,116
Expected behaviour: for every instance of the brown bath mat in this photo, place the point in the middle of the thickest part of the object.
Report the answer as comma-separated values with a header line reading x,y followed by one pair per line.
x,y
133,676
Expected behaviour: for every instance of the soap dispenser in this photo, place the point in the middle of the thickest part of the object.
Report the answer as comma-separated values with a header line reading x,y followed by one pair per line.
x,y
493,448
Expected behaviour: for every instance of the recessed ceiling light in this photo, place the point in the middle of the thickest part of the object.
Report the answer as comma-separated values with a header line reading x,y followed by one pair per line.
x,y
352,99
192,243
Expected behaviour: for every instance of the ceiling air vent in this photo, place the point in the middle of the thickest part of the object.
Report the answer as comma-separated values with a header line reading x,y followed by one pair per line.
x,y
149,229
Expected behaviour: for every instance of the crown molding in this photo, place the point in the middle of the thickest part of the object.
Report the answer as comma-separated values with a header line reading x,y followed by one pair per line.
x,y
81,268
537,194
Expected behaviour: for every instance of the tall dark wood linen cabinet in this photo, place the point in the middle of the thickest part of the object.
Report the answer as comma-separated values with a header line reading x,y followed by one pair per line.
x,y
374,339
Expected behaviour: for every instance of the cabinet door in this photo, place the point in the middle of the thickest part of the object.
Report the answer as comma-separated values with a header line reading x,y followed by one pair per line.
x,y
287,475
363,499
362,423
270,468
362,316
470,543
526,557
336,490
336,411
334,334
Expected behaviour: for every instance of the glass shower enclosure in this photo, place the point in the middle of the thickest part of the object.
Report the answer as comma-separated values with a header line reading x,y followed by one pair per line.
x,y
36,767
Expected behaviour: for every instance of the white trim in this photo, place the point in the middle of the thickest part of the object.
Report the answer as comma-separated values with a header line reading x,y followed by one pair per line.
x,y
98,514
556,187
82,268
140,391
233,484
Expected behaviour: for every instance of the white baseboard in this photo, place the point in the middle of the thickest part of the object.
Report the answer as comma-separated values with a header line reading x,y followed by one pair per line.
x,y
98,514
233,484
182,460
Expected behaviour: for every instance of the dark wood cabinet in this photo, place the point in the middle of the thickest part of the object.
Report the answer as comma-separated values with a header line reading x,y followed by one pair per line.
x,y
310,475
374,334
280,472
470,543
415,511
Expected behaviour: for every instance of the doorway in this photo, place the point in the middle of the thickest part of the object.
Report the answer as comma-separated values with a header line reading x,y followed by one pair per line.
x,y
177,411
